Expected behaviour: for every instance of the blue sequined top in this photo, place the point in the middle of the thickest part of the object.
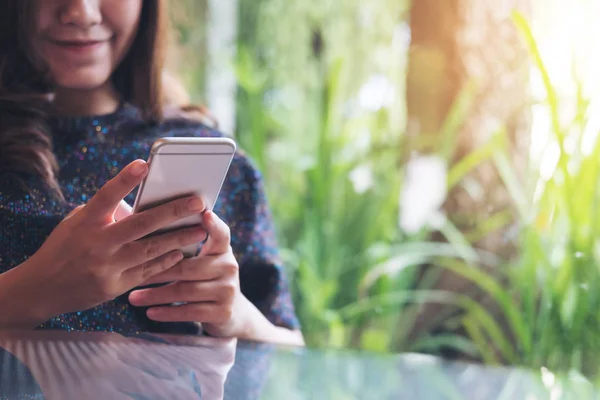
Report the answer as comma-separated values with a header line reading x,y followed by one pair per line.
x,y
91,150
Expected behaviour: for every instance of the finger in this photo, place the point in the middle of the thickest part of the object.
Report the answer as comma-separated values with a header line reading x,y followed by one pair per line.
x,y
219,235
150,248
110,195
209,313
147,222
135,276
203,268
184,292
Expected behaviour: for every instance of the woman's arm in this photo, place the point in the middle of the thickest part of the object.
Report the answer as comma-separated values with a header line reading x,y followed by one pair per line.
x,y
23,304
89,259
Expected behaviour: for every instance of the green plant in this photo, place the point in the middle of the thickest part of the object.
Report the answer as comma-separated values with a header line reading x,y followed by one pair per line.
x,y
352,270
552,298
555,287
549,297
312,144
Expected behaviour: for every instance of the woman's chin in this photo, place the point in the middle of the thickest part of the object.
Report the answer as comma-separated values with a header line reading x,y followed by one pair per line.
x,y
81,81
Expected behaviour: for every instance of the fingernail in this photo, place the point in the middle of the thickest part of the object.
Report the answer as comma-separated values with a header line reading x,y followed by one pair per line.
x,y
196,204
175,258
138,168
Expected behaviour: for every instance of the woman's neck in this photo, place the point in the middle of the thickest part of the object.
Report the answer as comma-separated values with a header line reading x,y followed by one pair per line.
x,y
86,102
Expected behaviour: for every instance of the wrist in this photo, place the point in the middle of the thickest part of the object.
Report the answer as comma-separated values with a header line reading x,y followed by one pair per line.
x,y
22,297
256,326
253,325
247,325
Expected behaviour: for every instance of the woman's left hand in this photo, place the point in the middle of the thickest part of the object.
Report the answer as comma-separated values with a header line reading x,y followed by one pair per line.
x,y
208,284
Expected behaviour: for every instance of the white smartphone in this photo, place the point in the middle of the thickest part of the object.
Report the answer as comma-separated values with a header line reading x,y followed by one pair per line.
x,y
180,167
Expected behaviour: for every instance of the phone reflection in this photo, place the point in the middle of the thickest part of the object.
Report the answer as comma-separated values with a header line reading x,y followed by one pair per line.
x,y
110,366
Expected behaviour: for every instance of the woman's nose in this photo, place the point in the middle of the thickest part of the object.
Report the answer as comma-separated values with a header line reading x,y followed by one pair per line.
x,y
82,13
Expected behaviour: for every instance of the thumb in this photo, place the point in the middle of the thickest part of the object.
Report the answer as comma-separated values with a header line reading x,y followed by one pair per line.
x,y
122,211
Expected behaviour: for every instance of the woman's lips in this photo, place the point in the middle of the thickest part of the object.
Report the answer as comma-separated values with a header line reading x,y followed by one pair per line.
x,y
79,46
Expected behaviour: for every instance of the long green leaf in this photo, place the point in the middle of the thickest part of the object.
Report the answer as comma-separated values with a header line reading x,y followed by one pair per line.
x,y
455,118
475,158
445,341
490,285
480,316
485,350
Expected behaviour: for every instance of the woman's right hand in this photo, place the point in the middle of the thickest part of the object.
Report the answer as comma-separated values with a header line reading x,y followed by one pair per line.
x,y
90,259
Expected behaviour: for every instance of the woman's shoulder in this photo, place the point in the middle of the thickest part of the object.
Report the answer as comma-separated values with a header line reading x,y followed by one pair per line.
x,y
196,122
183,122
192,120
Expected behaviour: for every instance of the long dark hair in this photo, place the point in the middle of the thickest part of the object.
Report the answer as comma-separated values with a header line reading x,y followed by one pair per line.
x,y
25,141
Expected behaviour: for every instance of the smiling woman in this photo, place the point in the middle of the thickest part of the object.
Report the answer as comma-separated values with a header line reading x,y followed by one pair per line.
x,y
81,102
82,61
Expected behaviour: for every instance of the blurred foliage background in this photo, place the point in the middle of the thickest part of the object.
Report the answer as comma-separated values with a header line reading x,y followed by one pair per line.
x,y
432,165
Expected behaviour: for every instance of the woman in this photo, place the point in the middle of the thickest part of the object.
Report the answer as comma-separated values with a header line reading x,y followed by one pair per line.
x,y
81,102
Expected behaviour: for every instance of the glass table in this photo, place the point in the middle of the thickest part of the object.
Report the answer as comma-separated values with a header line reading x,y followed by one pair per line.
x,y
76,365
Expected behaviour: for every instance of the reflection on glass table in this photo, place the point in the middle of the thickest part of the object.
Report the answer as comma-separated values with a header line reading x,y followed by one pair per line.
x,y
61,365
